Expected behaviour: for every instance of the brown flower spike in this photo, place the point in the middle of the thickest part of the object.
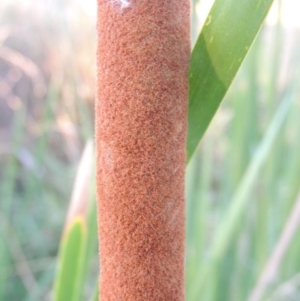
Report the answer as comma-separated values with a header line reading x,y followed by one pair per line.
x,y
141,123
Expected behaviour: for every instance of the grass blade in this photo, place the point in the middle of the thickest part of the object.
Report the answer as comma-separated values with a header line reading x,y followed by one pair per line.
x,y
228,33
275,259
73,258
235,211
72,253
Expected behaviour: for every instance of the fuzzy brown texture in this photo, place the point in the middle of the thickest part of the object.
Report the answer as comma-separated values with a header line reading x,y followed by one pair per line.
x,y
141,111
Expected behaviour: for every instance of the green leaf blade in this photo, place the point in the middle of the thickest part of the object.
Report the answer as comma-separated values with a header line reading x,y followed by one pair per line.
x,y
225,39
237,208
72,253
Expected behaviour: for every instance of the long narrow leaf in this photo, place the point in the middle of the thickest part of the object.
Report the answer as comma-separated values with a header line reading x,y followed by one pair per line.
x,y
226,37
68,280
234,214
74,254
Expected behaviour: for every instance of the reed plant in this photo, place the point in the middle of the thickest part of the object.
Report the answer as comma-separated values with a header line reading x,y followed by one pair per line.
x,y
242,182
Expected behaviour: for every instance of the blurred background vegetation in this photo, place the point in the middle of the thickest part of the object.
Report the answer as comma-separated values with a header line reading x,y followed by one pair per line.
x,y
47,87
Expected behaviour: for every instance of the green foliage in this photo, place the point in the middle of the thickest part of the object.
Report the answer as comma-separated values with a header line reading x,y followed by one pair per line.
x,y
68,281
241,186
224,41
231,219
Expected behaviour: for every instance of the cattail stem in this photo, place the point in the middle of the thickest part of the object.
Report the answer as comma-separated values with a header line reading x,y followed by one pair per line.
x,y
141,111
